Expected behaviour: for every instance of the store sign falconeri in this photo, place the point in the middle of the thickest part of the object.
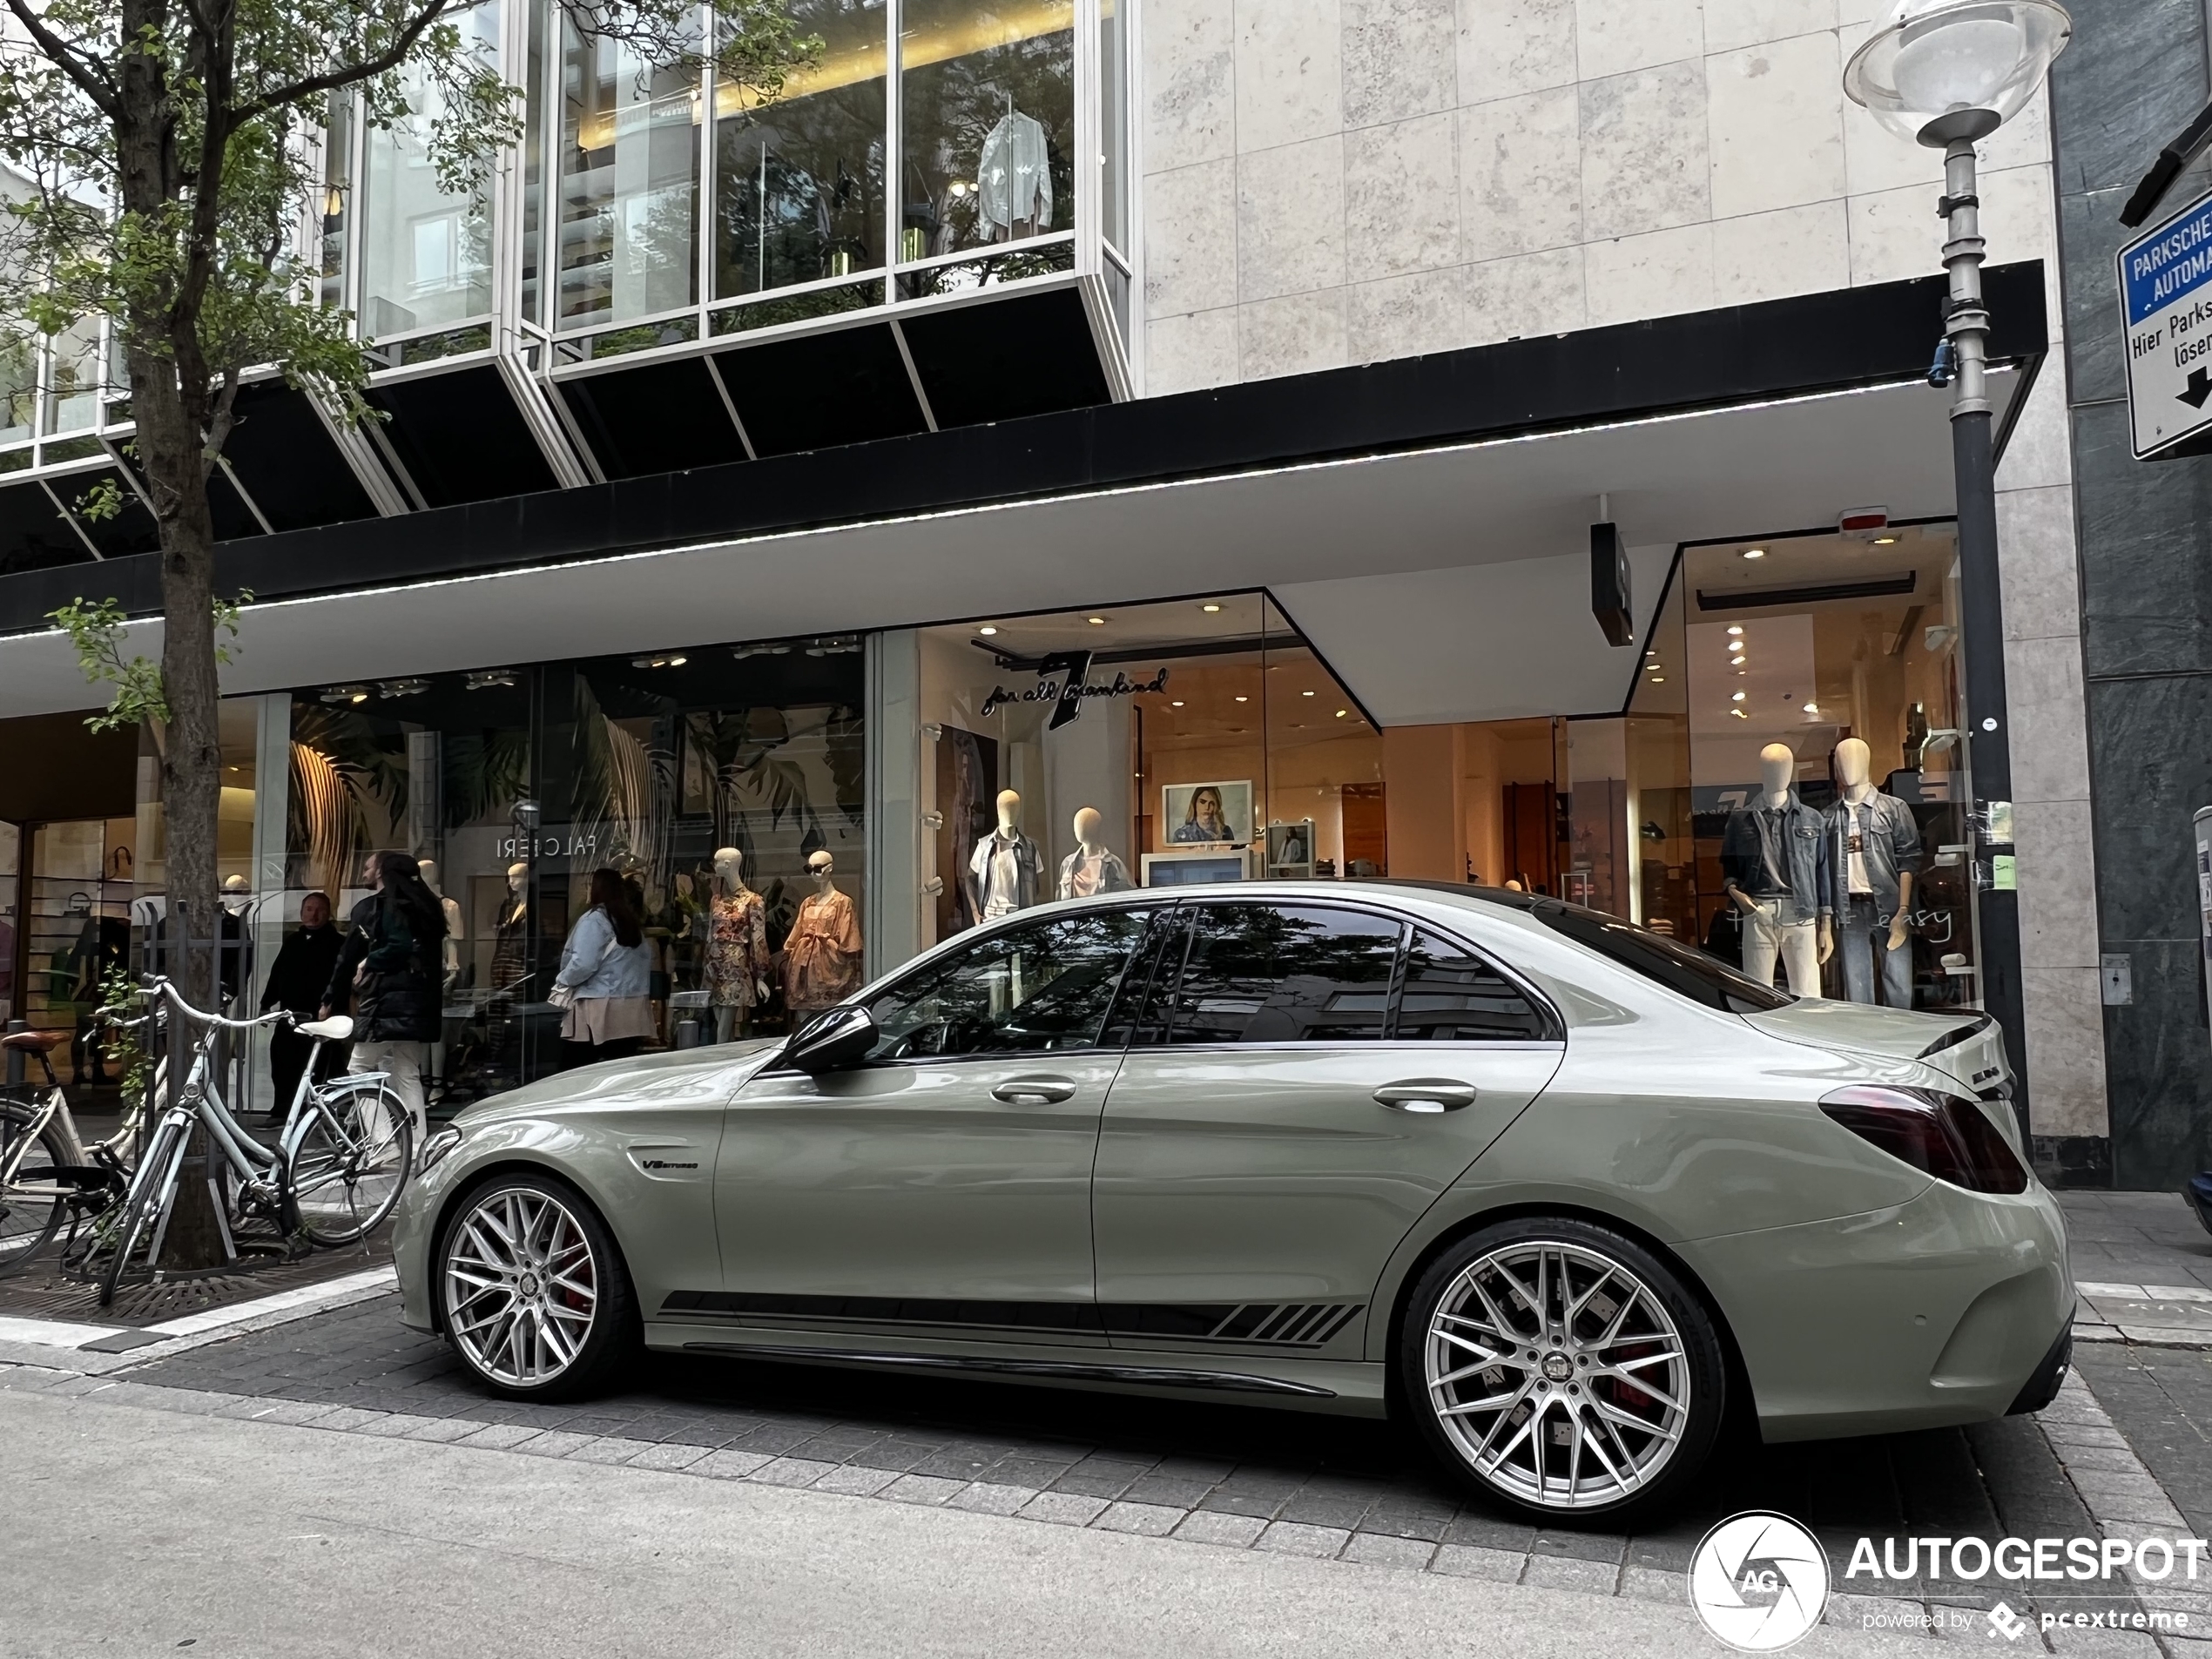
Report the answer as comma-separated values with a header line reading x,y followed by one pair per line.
x,y
1063,680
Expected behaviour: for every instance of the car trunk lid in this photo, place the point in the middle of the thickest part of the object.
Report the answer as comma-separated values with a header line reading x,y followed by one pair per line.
x,y
1965,1045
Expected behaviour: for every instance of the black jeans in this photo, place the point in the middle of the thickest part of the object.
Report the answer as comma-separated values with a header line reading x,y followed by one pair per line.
x,y
583,1054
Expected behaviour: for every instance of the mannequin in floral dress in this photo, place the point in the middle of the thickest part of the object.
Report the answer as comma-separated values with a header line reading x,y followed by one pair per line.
x,y
737,948
822,956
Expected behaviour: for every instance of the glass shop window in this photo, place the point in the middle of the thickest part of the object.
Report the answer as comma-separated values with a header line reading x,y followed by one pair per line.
x,y
986,136
425,252
628,228
799,182
1284,974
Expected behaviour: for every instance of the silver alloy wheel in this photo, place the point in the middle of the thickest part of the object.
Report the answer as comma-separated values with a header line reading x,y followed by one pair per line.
x,y
1557,1375
522,1286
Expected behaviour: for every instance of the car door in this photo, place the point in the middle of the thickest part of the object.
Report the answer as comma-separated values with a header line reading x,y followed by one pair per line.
x,y
1304,1081
944,1186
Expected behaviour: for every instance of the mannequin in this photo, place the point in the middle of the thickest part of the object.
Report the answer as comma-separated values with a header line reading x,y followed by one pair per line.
x,y
822,954
1091,868
1874,854
737,948
1004,868
452,907
509,959
1774,868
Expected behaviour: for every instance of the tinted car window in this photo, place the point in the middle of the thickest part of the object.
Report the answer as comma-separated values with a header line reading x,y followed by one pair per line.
x,y
1678,966
1259,972
1030,989
1452,996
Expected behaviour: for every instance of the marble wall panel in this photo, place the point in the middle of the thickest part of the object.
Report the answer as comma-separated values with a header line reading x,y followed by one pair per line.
x,y
2058,878
1190,82
1519,298
1401,197
1508,47
1400,59
1405,316
1730,24
2039,448
1613,37
1792,250
1290,78
2154,771
1645,156
2049,739
2037,556
1776,122
2090,231
2132,76
2066,1051
1197,348
1648,276
1294,335
1190,237
1520,174
1290,218
2156,1063
2146,582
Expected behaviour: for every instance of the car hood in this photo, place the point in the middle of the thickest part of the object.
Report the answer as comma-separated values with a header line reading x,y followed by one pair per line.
x,y
1967,1046
675,1075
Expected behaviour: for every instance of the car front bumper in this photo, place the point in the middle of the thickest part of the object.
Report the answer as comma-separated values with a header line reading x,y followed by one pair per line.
x,y
1939,1311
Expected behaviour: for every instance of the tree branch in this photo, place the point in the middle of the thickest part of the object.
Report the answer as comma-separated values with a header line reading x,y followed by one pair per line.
x,y
57,51
351,75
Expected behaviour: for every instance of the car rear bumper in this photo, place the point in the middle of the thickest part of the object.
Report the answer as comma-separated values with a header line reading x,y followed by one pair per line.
x,y
1939,1311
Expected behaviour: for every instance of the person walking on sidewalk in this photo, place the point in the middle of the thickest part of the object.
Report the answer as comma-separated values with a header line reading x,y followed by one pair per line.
x,y
297,981
393,962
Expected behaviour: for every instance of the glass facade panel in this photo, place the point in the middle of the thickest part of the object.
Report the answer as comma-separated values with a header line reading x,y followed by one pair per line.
x,y
627,229
337,191
799,182
987,136
73,400
1113,125
427,251
19,386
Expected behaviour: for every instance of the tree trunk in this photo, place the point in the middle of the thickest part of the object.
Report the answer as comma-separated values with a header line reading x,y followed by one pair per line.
x,y
192,760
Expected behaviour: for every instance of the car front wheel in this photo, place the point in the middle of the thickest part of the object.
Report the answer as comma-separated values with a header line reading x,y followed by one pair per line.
x,y
1563,1367
534,1293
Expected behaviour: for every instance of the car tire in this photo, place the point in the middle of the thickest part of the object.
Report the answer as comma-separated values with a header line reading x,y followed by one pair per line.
x,y
1609,1404
532,1291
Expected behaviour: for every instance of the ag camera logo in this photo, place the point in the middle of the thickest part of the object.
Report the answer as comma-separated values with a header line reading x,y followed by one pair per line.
x,y
1758,1582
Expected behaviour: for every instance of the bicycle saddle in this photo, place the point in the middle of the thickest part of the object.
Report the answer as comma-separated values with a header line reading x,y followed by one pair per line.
x,y
336,1028
34,1041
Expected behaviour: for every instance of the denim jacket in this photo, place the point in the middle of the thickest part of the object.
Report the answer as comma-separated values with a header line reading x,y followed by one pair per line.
x,y
1802,859
1888,846
594,970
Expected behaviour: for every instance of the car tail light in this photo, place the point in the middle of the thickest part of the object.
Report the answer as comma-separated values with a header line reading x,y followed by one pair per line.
x,y
1948,1138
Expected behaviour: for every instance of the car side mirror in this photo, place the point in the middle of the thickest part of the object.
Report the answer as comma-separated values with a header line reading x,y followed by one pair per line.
x,y
836,1041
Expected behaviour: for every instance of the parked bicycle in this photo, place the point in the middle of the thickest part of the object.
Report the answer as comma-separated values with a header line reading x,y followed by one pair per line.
x,y
50,1179
334,1174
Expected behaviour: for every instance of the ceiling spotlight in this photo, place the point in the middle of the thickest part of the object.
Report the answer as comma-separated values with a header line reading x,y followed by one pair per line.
x,y
1734,628
1812,708
1739,714
1885,541
986,632
347,694
1096,622
1658,680
1177,703
1755,552
1209,608
1736,696
402,688
489,676
1241,698
1307,694
1342,712
1736,662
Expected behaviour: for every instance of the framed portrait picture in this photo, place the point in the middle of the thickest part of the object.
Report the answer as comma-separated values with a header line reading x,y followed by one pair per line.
x,y
1290,849
1206,814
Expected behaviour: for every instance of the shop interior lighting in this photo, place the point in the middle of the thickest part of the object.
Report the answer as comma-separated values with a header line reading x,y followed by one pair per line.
x,y
1210,608
1241,698
484,679
347,694
1736,696
1307,693
1885,541
986,632
1096,622
1812,708
1739,714
1342,712
658,662
743,651
1734,628
403,688
1755,552
1177,703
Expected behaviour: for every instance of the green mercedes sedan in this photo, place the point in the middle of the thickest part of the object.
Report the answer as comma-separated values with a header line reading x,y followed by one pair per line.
x,y
1566,1193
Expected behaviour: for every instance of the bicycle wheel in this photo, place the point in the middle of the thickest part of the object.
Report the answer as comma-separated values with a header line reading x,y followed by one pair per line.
x,y
33,1201
350,1166
143,1205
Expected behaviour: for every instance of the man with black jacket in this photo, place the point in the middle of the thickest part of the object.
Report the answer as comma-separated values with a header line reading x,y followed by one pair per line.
x,y
392,965
297,980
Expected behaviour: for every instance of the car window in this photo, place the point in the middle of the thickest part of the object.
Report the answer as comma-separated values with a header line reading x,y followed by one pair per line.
x,y
1452,996
1264,973
1679,967
1033,989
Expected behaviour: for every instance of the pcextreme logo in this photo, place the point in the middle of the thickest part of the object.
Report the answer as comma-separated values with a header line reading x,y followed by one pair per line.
x,y
1759,1581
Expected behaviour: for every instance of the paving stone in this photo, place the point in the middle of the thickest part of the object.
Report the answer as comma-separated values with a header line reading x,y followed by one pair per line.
x,y
1654,1584
856,1481
2072,1644
1573,1573
922,1489
791,1472
350,1418
1219,1526
1064,1509
1292,1537
274,1410
498,1436
397,1426
1472,1561
554,1442
1377,1549
664,1454
987,1499
729,1464
608,1448
1152,1520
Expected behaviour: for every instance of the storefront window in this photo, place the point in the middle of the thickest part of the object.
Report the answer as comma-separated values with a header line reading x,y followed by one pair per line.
x,y
1828,667
1113,83
427,251
19,386
74,397
337,185
628,235
799,182
987,139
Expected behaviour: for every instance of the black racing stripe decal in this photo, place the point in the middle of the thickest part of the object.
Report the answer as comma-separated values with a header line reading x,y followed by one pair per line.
x,y
1295,1325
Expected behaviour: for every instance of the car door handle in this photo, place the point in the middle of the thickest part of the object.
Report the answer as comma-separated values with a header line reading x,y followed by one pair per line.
x,y
1047,1089
1426,1095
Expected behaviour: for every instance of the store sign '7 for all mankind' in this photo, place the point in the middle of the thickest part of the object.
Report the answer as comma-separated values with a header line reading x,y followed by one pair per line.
x,y
1063,680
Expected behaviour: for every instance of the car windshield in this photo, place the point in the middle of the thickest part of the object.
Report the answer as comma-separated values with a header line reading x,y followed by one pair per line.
x,y
1680,968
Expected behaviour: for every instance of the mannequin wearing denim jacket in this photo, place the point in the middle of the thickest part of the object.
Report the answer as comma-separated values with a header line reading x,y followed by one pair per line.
x,y
1870,884
1774,868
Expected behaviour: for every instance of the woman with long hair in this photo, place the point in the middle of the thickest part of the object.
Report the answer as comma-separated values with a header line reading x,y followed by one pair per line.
x,y
1205,821
391,966
608,966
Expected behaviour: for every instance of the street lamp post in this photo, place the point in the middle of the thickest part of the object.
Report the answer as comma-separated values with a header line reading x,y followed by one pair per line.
x,y
1946,74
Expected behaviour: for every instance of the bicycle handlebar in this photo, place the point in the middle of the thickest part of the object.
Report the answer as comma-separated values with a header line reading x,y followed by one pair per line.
x,y
197,1016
